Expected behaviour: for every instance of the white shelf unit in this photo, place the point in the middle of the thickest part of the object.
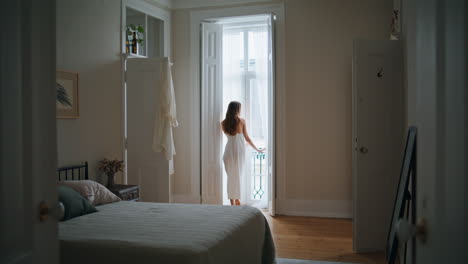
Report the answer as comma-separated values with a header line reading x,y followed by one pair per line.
x,y
153,39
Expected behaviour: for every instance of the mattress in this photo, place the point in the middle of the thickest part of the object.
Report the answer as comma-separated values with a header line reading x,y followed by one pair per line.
x,y
138,232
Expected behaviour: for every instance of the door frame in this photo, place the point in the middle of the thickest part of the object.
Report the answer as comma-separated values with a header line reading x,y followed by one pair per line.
x,y
196,17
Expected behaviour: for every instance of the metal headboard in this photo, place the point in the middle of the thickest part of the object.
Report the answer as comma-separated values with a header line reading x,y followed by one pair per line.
x,y
76,172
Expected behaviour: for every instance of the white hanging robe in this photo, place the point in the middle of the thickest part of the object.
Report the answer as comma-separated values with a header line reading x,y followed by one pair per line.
x,y
166,119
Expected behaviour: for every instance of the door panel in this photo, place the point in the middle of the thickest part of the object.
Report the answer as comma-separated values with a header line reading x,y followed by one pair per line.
x,y
146,168
28,132
378,137
211,114
440,111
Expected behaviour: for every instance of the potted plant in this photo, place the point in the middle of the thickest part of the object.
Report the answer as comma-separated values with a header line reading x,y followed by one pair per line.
x,y
110,167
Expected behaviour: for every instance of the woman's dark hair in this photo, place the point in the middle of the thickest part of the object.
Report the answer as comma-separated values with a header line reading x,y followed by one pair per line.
x,y
231,122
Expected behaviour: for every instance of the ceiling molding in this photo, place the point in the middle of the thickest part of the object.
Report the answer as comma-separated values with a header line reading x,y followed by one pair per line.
x,y
189,4
163,4
197,4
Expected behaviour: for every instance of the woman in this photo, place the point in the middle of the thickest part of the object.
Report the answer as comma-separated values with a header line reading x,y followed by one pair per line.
x,y
234,154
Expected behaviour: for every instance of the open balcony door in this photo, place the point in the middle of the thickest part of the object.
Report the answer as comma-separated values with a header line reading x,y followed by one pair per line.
x,y
211,113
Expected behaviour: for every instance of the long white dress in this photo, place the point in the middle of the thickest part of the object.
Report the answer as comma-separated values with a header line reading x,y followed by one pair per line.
x,y
234,162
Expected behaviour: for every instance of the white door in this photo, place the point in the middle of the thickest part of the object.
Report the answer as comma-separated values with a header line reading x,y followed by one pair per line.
x,y
145,168
28,132
211,113
272,117
378,138
437,103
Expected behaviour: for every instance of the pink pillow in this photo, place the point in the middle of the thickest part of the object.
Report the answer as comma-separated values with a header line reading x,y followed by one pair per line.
x,y
93,191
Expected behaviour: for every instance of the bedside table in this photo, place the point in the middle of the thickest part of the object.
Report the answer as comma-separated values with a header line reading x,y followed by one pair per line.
x,y
126,192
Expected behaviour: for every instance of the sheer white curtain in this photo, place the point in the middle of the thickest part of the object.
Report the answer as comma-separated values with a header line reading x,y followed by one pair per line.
x,y
245,79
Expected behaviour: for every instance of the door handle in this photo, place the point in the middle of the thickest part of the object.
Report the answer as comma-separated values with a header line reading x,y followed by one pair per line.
x,y
363,150
405,230
56,212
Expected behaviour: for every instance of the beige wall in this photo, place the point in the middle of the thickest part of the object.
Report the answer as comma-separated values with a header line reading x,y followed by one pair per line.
x,y
183,136
319,35
88,42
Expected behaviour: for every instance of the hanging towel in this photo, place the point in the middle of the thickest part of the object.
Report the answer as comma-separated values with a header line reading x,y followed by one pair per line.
x,y
166,118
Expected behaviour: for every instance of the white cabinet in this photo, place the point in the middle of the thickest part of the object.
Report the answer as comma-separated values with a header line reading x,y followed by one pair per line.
x,y
146,168
156,43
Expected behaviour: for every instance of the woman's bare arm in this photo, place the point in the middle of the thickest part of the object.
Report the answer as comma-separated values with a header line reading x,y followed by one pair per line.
x,y
247,138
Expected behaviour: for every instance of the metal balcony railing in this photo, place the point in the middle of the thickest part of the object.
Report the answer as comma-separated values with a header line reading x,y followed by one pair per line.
x,y
259,173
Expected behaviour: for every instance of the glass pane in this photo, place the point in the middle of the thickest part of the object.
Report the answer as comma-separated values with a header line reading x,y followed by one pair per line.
x,y
233,54
258,106
258,69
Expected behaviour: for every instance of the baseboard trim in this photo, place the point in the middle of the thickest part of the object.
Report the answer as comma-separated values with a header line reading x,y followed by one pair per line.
x,y
212,200
186,199
316,208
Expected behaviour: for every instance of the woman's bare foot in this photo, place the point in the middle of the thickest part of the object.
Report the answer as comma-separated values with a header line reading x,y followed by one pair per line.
x,y
237,202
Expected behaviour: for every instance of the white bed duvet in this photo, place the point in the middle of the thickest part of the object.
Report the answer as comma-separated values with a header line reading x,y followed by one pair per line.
x,y
136,232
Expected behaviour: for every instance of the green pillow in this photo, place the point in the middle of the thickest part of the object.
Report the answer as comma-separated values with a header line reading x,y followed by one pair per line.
x,y
75,204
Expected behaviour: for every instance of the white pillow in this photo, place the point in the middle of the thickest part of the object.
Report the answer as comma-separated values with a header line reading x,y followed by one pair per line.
x,y
93,191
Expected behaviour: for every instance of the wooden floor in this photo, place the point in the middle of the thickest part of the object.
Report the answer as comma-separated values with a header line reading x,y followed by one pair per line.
x,y
325,239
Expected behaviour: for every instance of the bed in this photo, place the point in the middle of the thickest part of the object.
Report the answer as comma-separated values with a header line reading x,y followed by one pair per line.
x,y
139,232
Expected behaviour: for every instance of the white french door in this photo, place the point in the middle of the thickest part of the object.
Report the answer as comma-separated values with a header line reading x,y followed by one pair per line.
x,y
238,65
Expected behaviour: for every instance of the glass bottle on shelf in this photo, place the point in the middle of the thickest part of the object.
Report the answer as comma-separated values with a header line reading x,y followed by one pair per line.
x,y
134,43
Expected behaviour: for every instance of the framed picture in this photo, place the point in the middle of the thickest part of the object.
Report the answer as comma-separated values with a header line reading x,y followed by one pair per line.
x,y
67,103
